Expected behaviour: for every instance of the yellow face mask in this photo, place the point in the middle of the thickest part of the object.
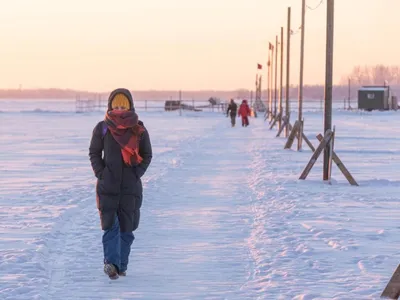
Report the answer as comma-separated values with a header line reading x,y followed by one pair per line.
x,y
120,100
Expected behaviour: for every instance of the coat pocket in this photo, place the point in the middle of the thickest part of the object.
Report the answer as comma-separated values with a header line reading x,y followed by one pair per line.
x,y
107,185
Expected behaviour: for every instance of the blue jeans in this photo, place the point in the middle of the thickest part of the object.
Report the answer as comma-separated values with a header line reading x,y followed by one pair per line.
x,y
117,246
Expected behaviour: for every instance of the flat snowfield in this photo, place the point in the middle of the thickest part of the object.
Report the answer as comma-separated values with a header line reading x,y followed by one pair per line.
x,y
224,214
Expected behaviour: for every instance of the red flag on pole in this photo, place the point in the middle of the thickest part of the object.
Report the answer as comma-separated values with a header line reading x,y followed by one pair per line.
x,y
259,67
271,46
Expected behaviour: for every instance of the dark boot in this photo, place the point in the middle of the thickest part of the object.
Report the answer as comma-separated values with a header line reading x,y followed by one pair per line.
x,y
111,271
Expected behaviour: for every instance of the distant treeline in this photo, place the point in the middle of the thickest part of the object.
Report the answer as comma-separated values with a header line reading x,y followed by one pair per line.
x,y
359,76
315,92
373,75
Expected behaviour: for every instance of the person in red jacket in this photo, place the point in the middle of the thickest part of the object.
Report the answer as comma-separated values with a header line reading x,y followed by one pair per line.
x,y
244,112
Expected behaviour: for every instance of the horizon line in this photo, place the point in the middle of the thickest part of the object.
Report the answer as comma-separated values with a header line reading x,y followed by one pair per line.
x,y
174,90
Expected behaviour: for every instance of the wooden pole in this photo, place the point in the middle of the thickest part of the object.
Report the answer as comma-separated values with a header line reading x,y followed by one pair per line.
x,y
268,79
276,76
256,89
300,113
328,82
349,94
287,71
271,81
281,84
180,102
259,94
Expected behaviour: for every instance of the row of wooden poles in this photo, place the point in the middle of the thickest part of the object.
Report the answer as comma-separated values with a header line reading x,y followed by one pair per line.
x,y
275,113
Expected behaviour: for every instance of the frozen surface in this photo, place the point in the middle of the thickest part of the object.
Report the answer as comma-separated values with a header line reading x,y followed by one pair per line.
x,y
224,214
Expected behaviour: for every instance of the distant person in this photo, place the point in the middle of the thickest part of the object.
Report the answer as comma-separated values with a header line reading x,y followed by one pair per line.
x,y
119,192
244,112
232,111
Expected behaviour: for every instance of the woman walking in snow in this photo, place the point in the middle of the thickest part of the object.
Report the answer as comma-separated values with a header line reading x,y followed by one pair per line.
x,y
244,112
119,192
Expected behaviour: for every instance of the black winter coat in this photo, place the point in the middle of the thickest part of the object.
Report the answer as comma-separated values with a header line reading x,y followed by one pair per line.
x,y
119,189
232,108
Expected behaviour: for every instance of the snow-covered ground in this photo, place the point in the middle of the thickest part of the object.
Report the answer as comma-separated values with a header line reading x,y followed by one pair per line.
x,y
224,214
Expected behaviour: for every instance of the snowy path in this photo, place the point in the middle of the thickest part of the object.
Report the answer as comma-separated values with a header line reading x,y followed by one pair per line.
x,y
192,239
224,217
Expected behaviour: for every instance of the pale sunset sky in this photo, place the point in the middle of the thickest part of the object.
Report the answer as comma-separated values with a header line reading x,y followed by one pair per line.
x,y
99,45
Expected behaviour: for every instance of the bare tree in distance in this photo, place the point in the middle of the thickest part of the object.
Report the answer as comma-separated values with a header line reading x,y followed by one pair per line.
x,y
373,75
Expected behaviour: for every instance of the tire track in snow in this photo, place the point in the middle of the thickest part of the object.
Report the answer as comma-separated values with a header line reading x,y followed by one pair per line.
x,y
279,247
62,242
299,238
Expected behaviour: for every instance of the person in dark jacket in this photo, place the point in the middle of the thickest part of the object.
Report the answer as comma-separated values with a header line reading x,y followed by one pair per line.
x,y
127,155
232,108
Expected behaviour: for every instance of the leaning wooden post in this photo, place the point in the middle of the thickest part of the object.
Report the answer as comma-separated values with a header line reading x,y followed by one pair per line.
x,y
392,289
331,145
292,135
335,158
316,154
